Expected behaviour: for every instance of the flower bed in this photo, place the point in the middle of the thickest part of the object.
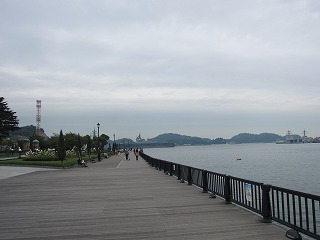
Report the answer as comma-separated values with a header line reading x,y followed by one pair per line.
x,y
44,155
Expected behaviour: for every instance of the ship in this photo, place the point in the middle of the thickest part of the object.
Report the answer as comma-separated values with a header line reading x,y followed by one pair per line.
x,y
290,140
142,143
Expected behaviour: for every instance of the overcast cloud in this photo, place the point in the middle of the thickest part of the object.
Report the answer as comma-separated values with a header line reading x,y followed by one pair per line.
x,y
202,68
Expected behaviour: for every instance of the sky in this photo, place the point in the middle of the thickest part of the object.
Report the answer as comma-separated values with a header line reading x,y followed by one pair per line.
x,y
206,68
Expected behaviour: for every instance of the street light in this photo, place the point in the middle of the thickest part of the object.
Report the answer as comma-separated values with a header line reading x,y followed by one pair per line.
x,y
20,152
114,143
98,125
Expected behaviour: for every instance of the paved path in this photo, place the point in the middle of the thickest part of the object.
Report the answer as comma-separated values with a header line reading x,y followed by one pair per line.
x,y
116,199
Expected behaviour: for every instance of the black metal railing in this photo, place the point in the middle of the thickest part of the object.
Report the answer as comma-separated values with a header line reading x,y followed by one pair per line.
x,y
297,210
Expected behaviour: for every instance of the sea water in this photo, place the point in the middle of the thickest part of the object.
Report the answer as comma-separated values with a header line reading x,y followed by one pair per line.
x,y
292,166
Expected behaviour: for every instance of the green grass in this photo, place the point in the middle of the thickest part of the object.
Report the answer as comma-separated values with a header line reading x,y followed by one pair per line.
x,y
69,162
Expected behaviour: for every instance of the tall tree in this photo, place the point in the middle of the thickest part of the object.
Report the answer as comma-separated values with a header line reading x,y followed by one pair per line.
x,y
8,119
103,140
61,148
71,140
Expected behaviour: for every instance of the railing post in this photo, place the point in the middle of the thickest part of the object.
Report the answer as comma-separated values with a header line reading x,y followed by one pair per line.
x,y
204,181
179,172
160,163
266,204
152,162
189,176
165,167
227,190
156,164
171,169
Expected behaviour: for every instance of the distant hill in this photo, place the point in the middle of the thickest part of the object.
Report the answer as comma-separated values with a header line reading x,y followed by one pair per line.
x,y
255,138
181,139
177,139
240,138
123,141
26,132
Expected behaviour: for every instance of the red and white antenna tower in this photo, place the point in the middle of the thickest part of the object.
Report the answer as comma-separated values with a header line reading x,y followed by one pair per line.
x,y
38,118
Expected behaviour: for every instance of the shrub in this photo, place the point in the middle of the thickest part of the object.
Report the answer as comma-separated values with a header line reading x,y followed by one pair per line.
x,y
71,154
42,159
41,155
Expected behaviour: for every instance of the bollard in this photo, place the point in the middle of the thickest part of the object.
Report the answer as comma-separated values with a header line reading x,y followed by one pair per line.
x,y
266,204
227,190
189,176
204,181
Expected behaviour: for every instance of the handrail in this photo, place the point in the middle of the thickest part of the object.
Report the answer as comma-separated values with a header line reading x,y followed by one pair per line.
x,y
297,210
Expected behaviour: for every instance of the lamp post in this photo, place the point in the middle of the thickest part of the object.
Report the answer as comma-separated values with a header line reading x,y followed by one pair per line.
x,y
114,143
98,125
20,152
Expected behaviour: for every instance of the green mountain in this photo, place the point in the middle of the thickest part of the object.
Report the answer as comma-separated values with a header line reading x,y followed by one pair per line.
x,y
177,139
181,139
240,138
255,138
26,132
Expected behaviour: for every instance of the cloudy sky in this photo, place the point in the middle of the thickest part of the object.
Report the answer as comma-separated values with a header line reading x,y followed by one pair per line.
x,y
206,68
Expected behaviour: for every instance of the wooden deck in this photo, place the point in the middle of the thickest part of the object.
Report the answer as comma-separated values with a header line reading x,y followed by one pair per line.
x,y
131,201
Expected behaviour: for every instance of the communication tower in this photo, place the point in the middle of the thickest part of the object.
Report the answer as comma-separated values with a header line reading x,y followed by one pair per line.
x,y
38,117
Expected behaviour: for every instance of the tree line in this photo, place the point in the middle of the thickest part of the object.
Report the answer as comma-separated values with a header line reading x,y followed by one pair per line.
x,y
9,124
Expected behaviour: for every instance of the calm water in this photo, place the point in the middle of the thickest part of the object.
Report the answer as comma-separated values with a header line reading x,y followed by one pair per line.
x,y
293,166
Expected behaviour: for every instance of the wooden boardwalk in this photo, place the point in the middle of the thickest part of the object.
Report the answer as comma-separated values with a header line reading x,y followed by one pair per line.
x,y
129,200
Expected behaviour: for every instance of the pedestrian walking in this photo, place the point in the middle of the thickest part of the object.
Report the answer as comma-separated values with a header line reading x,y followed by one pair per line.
x,y
126,152
136,152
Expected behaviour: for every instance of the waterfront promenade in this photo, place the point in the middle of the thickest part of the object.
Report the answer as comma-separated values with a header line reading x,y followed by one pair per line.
x,y
116,199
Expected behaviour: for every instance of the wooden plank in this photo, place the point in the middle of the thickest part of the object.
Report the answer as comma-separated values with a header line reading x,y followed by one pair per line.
x,y
132,201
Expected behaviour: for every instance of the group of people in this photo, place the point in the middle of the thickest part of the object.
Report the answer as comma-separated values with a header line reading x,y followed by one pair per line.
x,y
82,163
135,151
